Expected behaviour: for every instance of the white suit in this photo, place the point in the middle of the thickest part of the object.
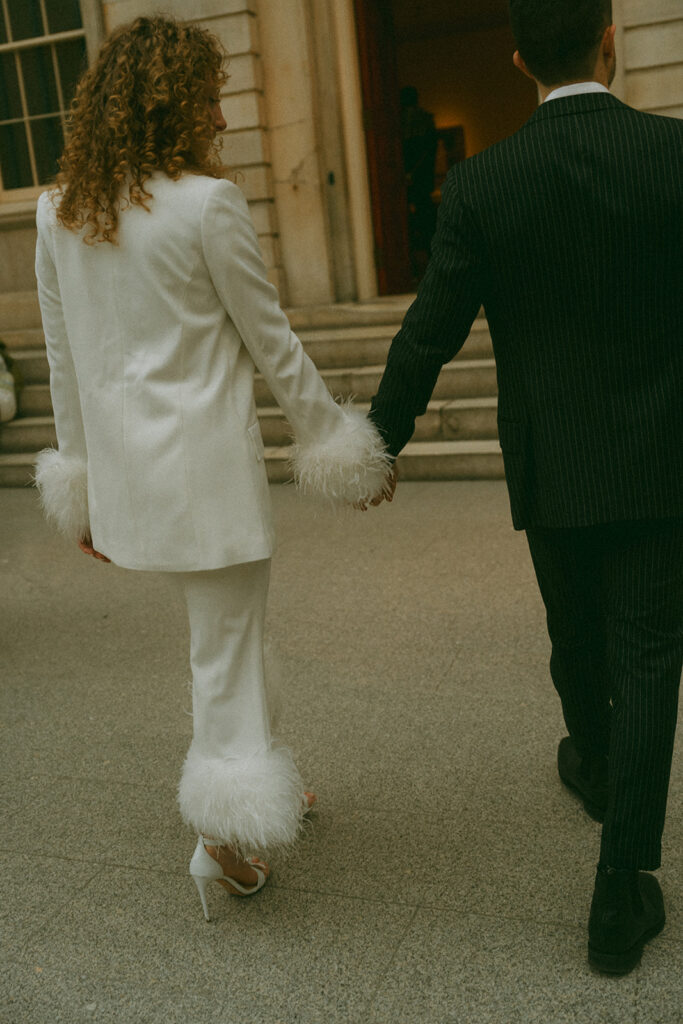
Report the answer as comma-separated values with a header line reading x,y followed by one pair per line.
x,y
152,345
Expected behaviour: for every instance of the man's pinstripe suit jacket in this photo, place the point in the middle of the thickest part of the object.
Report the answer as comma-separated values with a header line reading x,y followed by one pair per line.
x,y
569,234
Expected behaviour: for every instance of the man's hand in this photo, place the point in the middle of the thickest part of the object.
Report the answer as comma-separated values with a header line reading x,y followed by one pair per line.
x,y
386,494
85,544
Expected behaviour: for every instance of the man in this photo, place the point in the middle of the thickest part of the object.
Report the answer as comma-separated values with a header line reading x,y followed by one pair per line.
x,y
569,234
419,143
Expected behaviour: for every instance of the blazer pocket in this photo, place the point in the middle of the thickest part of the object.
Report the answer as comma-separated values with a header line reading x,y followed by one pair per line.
x,y
257,441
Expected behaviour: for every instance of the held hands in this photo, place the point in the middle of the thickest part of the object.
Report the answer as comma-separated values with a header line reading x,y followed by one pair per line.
x,y
386,494
85,544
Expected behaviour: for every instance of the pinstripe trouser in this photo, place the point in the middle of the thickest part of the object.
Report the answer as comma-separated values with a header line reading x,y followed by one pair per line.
x,y
614,601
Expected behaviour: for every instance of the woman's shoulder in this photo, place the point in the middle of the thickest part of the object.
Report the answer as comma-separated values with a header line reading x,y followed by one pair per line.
x,y
198,191
226,191
204,184
46,208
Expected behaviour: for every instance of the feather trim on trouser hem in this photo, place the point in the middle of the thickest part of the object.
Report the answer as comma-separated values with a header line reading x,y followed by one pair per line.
x,y
62,482
349,466
254,804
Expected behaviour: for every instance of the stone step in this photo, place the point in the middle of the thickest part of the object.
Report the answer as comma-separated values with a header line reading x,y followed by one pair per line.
x,y
387,310
447,460
34,400
18,310
16,470
33,365
24,338
451,460
460,378
329,349
460,419
445,420
335,348
27,434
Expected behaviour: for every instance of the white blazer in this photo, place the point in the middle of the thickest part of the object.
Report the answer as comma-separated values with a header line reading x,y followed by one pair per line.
x,y
152,345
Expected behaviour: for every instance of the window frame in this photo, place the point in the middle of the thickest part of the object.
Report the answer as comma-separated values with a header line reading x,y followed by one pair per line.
x,y
15,200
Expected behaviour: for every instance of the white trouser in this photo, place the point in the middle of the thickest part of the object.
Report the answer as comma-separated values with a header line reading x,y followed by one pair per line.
x,y
236,785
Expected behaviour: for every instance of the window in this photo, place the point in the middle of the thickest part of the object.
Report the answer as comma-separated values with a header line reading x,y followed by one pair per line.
x,y
43,51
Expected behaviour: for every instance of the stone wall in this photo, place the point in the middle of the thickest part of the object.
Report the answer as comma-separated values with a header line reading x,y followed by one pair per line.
x,y
271,148
652,45
292,115
285,103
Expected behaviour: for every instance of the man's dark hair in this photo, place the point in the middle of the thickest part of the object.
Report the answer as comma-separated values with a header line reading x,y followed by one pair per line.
x,y
558,39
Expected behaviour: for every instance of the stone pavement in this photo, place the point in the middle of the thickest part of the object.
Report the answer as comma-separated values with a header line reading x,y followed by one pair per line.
x,y
447,876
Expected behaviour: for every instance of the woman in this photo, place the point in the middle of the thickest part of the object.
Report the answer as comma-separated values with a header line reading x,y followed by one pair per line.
x,y
157,310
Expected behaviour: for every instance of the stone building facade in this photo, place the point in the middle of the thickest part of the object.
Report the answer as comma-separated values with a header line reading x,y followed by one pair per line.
x,y
310,119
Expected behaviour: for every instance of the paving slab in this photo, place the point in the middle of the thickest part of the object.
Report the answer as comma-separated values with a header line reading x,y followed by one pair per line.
x,y
467,969
32,890
279,956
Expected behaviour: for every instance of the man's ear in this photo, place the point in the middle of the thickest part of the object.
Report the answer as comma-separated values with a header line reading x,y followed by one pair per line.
x,y
606,61
607,45
518,61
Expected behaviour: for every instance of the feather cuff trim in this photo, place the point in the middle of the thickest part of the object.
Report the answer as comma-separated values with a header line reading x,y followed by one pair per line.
x,y
255,804
62,482
350,466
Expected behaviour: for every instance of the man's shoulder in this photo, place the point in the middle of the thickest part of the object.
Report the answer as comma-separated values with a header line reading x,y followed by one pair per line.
x,y
555,118
659,124
604,108
482,168
655,123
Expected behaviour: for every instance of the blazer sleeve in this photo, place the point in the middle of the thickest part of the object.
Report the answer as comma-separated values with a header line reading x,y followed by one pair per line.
x,y
437,324
338,453
61,475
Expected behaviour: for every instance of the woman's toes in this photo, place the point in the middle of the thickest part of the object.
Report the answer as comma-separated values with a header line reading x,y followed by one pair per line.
x,y
259,864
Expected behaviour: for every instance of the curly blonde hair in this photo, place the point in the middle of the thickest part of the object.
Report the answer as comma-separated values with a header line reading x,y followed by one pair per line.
x,y
142,107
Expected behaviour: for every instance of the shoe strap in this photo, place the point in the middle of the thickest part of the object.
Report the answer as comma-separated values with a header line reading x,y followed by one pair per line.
x,y
249,889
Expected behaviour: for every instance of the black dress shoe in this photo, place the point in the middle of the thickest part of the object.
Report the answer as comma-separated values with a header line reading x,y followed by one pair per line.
x,y
587,778
627,911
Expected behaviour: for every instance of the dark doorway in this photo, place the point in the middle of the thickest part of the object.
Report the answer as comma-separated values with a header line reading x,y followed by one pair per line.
x,y
457,55
381,121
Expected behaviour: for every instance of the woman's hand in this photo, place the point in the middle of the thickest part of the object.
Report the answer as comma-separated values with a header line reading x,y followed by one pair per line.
x,y
85,544
386,494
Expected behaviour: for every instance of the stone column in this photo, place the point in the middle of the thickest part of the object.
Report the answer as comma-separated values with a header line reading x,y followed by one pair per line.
x,y
290,101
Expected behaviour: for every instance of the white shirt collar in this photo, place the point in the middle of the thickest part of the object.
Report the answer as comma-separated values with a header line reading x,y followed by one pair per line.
x,y
575,89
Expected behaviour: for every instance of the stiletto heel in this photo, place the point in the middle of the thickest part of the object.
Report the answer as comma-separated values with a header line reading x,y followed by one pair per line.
x,y
204,869
201,882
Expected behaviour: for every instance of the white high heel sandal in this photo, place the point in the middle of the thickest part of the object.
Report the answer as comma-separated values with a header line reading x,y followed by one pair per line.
x,y
205,869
